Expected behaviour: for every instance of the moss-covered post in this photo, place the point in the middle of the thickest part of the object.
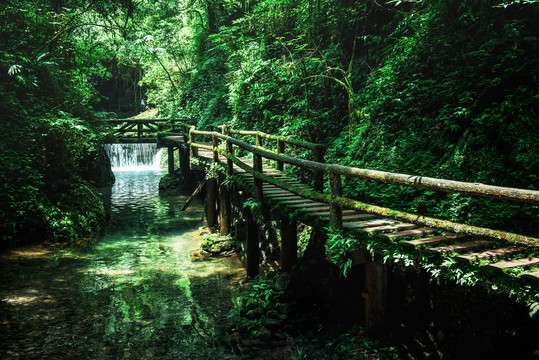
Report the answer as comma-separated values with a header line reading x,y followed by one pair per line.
x,y
215,144
225,207
229,162
280,150
289,243
253,247
257,164
318,181
211,202
170,151
335,211
192,149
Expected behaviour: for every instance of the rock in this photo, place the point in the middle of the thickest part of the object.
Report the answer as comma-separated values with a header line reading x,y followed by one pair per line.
x,y
95,167
235,337
220,247
282,281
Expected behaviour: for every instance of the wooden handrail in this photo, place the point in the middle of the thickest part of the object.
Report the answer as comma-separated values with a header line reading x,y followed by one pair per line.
x,y
150,120
284,139
477,189
337,202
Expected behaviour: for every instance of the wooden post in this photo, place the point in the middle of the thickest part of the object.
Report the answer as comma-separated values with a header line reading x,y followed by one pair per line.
x,y
280,150
318,181
192,140
170,151
215,144
139,130
259,196
253,247
225,207
229,163
258,140
211,203
335,211
375,296
289,244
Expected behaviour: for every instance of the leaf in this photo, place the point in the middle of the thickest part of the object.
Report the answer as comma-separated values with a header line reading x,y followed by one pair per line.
x,y
534,309
14,69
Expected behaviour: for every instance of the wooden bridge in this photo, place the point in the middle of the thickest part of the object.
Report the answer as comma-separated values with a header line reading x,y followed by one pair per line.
x,y
239,170
143,130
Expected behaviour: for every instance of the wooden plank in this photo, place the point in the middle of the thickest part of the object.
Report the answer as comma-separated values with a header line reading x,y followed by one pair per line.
x,y
367,223
302,202
433,240
531,275
462,246
389,227
277,192
492,253
514,263
413,232
313,208
352,217
291,197
325,211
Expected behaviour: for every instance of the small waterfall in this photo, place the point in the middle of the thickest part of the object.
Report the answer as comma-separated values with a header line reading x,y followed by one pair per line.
x,y
134,157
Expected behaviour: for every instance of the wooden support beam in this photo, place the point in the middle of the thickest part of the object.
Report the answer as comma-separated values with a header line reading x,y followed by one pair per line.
x,y
253,247
230,150
215,144
257,166
335,216
225,207
375,295
211,203
280,150
289,243
170,151
318,178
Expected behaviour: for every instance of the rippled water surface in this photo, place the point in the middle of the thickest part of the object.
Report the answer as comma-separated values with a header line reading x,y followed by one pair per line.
x,y
131,293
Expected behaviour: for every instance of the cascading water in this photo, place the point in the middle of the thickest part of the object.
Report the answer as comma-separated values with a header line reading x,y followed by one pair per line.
x,y
134,157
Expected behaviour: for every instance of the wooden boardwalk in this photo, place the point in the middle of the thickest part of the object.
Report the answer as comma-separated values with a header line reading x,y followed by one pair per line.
x,y
460,245
291,202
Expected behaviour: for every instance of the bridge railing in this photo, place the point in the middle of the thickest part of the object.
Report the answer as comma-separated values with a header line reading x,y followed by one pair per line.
x,y
142,130
337,202
279,145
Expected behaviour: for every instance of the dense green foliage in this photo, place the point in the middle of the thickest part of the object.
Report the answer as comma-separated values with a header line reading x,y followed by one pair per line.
x,y
437,88
50,137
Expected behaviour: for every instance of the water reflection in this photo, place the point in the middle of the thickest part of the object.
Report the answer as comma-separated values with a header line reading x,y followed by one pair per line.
x,y
125,295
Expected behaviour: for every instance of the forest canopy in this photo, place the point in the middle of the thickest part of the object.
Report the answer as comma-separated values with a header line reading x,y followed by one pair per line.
x,y
439,88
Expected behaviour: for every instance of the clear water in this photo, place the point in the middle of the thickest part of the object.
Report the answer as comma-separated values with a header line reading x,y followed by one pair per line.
x,y
133,292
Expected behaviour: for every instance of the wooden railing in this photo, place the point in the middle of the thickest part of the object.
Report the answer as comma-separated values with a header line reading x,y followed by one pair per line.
x,y
334,173
144,130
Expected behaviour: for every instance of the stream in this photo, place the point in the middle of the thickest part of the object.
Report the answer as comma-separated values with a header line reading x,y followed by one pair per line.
x,y
132,292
